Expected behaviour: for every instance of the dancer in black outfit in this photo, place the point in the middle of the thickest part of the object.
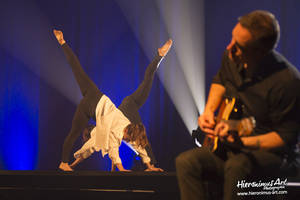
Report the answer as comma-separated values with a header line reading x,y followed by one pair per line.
x,y
94,104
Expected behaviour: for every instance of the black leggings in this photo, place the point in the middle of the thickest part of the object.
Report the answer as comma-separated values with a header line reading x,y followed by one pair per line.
x,y
91,96
87,106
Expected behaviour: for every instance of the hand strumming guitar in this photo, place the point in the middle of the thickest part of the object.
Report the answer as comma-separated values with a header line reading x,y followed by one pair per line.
x,y
244,128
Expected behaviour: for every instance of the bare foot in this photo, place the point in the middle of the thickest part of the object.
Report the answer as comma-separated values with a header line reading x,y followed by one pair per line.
x,y
59,36
65,167
165,48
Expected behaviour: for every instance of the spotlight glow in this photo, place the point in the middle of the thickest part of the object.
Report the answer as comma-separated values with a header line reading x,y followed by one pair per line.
x,y
182,73
36,40
190,44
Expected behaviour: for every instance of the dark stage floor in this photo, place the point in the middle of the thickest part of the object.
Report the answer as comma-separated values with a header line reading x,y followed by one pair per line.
x,y
46,185
88,185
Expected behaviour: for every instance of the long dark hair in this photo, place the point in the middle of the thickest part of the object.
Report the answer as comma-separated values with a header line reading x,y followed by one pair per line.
x,y
136,133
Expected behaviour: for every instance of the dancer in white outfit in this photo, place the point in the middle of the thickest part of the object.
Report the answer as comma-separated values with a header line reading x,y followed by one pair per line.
x,y
112,124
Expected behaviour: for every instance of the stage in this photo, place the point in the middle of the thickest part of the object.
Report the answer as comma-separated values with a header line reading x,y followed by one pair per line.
x,y
88,185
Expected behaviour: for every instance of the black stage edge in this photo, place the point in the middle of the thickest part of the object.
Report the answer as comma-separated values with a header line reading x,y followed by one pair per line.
x,y
88,185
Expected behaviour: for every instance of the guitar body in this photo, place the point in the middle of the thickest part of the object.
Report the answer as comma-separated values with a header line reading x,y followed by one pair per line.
x,y
230,110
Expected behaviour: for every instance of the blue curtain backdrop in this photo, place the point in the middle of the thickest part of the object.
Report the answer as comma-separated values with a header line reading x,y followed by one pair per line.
x,y
38,94
36,112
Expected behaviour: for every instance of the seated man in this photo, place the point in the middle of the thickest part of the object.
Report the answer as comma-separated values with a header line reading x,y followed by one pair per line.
x,y
268,86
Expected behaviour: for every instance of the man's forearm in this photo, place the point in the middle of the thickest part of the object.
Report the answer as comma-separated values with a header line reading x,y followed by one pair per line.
x,y
266,141
215,97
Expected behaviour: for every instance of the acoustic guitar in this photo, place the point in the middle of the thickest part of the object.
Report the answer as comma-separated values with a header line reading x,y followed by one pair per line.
x,y
229,112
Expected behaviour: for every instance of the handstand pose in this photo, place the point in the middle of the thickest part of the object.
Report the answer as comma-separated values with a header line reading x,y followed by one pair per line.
x,y
112,124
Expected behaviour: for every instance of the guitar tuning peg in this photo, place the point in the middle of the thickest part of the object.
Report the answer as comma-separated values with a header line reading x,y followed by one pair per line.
x,y
253,121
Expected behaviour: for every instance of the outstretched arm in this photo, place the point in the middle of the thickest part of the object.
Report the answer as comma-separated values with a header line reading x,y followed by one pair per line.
x,y
76,162
113,154
84,152
145,157
152,168
142,93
